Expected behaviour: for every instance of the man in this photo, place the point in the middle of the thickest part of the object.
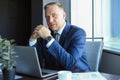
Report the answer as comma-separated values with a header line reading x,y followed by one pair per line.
x,y
66,53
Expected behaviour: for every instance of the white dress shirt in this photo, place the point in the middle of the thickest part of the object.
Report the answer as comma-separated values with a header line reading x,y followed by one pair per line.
x,y
31,43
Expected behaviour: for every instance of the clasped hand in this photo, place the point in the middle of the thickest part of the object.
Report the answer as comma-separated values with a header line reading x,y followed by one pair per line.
x,y
40,31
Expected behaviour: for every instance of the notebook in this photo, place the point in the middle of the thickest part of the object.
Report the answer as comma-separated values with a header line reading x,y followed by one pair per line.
x,y
27,63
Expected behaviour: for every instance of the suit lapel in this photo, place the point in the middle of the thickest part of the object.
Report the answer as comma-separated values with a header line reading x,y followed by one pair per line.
x,y
64,34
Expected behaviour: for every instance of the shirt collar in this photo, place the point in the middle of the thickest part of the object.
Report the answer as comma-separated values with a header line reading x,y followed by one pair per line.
x,y
61,30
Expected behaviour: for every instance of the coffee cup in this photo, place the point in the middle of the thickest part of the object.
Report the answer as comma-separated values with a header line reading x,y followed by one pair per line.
x,y
65,75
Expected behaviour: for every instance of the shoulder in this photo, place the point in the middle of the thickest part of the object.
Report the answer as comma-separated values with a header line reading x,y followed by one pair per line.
x,y
76,29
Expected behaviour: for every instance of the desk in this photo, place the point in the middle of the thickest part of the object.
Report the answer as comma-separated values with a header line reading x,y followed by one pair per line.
x,y
111,76
31,78
106,75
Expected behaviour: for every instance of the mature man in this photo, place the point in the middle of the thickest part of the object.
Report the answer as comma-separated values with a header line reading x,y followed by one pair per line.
x,y
67,51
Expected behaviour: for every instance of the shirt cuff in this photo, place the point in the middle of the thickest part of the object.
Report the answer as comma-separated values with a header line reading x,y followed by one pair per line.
x,y
49,43
31,43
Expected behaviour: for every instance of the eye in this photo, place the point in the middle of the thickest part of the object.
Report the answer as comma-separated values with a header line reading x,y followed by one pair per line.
x,y
54,15
47,17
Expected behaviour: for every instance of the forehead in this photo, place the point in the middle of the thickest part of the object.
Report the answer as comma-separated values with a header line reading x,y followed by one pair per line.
x,y
53,9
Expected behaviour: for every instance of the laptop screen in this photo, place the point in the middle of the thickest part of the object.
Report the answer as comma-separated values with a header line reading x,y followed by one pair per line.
x,y
27,62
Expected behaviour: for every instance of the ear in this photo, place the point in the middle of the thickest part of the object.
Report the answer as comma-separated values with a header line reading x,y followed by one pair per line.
x,y
64,15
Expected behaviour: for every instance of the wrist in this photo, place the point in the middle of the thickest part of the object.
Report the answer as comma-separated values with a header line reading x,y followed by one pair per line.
x,y
32,39
48,38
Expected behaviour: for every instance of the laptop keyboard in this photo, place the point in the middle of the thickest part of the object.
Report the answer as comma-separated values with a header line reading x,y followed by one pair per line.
x,y
44,73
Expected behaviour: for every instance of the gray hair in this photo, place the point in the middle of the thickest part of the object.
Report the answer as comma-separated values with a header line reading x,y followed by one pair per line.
x,y
53,3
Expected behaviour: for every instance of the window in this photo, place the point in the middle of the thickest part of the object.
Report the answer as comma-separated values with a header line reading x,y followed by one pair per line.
x,y
99,18
81,14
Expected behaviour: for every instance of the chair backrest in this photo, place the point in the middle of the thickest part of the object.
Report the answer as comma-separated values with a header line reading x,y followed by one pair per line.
x,y
94,52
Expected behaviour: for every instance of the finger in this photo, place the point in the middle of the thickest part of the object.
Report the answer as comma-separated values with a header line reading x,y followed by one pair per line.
x,y
40,26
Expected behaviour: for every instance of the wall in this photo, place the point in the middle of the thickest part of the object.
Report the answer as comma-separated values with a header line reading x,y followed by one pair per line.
x,y
15,20
36,12
3,17
66,5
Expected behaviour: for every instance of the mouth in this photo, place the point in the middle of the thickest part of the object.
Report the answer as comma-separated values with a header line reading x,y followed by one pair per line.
x,y
52,27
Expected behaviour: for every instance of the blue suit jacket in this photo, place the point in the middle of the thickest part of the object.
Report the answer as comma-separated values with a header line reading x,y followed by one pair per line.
x,y
69,53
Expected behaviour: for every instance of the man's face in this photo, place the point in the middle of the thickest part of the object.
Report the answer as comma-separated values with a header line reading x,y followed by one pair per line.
x,y
55,17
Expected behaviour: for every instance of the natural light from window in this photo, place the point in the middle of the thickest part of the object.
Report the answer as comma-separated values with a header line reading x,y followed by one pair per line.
x,y
81,15
103,20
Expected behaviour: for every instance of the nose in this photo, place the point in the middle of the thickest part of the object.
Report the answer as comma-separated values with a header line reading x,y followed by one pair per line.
x,y
50,19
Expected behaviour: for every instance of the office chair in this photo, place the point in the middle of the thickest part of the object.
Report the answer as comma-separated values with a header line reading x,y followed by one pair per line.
x,y
94,53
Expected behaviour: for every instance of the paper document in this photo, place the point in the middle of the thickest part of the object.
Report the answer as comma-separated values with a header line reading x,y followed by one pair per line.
x,y
88,76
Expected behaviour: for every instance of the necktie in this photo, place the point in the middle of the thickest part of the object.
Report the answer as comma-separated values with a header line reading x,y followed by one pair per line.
x,y
56,36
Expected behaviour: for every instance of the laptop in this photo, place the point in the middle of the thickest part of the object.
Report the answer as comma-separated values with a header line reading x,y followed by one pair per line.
x,y
27,63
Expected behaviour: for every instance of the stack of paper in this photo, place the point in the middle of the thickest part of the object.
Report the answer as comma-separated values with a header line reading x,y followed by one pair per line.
x,y
88,76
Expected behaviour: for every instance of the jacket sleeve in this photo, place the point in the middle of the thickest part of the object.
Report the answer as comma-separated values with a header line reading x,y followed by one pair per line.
x,y
68,56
